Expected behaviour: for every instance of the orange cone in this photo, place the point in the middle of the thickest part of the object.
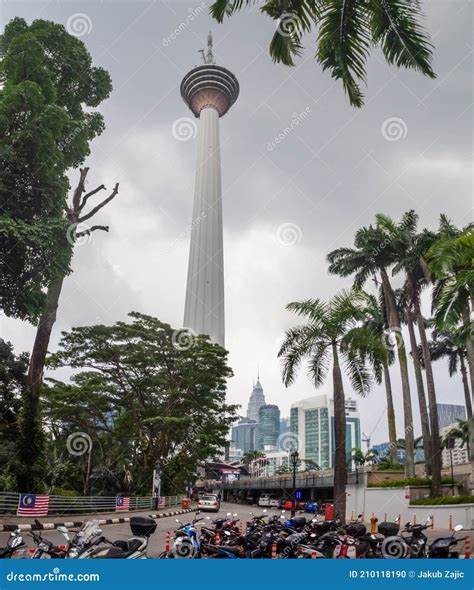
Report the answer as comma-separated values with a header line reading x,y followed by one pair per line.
x,y
218,538
467,547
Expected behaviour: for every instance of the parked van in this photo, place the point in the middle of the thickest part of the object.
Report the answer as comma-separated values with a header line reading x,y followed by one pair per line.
x,y
268,501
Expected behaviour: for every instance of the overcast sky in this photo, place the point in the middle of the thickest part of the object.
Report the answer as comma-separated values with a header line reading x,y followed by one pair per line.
x,y
286,203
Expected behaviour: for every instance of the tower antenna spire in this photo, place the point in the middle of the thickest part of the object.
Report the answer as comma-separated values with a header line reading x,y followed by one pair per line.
x,y
208,57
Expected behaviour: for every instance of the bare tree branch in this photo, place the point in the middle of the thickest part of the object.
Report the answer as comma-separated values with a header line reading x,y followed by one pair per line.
x,y
79,188
90,194
100,205
87,232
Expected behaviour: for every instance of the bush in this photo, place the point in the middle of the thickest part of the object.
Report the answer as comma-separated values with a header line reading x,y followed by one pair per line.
x,y
412,481
443,500
62,492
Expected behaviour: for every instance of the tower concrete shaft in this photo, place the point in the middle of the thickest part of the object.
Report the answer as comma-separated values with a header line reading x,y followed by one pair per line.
x,y
209,91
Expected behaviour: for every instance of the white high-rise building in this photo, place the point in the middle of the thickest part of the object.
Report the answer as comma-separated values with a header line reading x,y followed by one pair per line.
x,y
209,91
312,425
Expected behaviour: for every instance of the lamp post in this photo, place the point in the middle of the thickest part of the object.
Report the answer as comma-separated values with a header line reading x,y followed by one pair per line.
x,y
294,456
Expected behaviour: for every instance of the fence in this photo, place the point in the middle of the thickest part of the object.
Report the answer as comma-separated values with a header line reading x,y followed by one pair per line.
x,y
87,504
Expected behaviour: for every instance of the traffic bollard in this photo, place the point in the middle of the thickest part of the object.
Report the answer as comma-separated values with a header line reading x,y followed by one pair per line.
x,y
274,550
373,524
467,547
450,522
218,538
168,542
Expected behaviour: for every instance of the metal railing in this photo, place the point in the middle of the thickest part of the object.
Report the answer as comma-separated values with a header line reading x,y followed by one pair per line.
x,y
88,504
324,479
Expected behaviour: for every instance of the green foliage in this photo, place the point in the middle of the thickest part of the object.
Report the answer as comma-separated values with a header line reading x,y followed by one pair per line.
x,y
442,500
411,481
46,125
12,378
347,31
142,399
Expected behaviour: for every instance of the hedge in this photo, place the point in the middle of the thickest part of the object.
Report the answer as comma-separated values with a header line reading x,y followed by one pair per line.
x,y
440,500
412,481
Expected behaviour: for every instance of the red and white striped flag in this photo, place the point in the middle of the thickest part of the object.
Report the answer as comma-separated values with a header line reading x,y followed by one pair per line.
x,y
122,504
33,505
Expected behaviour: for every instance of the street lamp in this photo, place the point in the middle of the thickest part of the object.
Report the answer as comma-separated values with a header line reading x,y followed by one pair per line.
x,y
294,456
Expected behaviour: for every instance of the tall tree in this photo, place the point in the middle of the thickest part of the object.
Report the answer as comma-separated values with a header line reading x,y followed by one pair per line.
x,y
347,31
372,257
323,341
46,124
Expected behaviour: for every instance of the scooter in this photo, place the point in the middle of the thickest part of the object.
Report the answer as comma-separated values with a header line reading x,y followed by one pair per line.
x,y
15,541
133,548
441,548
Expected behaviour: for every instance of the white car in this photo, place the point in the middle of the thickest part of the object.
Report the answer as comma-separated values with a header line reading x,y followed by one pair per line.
x,y
268,501
208,503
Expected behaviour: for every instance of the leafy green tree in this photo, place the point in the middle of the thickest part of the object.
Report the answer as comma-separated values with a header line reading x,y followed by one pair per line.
x,y
347,32
12,382
373,256
323,341
145,394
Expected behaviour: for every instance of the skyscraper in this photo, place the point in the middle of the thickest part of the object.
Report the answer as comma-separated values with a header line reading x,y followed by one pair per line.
x,y
256,401
312,423
209,91
268,428
243,435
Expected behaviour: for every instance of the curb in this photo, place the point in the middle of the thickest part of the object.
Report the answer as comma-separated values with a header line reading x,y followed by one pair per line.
x,y
45,526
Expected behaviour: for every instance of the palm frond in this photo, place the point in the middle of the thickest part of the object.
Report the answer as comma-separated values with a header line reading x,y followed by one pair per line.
x,y
344,43
395,25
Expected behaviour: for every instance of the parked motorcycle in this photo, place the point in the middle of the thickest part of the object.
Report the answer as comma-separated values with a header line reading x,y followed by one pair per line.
x,y
442,548
15,541
134,548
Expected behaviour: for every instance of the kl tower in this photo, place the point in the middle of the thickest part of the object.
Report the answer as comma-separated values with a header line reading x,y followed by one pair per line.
x,y
209,91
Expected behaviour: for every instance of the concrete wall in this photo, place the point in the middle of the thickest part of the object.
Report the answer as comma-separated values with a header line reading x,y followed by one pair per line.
x,y
388,503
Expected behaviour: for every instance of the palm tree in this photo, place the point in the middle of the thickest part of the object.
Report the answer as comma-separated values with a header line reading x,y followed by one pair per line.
x,y
451,345
347,31
321,341
379,356
371,257
450,259
459,432
409,249
250,456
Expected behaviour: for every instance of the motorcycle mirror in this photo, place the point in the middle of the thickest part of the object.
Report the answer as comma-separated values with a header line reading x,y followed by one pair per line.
x,y
264,511
428,520
407,524
227,533
458,527
235,514
229,514
208,518
62,529
251,513
176,520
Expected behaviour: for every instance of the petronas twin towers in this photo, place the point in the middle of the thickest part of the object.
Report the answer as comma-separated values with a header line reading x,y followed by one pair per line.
x,y
209,91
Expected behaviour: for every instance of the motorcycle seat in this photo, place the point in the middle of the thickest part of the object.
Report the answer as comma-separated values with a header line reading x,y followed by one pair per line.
x,y
128,546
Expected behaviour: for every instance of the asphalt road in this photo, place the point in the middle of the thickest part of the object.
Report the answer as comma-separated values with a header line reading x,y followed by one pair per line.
x,y
157,540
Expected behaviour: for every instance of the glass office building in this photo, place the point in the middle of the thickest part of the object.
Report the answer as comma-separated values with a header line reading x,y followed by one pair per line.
x,y
268,429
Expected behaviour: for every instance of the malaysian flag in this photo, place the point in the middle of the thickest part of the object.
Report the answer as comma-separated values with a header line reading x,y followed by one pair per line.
x,y
122,504
33,505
